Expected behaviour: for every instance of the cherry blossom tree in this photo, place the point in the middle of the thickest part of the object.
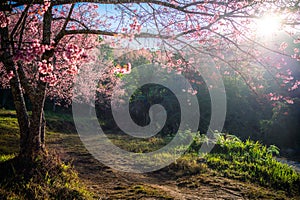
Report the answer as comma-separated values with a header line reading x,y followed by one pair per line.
x,y
44,44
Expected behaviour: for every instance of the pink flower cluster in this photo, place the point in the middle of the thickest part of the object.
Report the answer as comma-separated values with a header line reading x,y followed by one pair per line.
x,y
5,77
45,67
46,5
3,20
43,8
283,46
289,101
295,86
73,55
10,75
135,26
73,69
297,40
190,91
296,54
274,97
51,79
285,78
32,51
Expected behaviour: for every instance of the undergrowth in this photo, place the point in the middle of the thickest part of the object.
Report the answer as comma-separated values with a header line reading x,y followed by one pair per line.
x,y
46,178
252,162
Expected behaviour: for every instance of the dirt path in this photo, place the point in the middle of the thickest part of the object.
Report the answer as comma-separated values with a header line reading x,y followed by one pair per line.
x,y
107,183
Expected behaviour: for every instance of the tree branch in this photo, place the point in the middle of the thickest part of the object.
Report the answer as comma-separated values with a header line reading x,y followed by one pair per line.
x,y
61,33
84,31
21,19
72,20
156,2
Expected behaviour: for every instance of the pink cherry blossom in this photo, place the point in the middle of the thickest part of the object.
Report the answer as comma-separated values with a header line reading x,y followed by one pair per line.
x,y
45,67
3,20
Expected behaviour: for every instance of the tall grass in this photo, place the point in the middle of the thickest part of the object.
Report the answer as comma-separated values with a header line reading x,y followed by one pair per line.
x,y
252,161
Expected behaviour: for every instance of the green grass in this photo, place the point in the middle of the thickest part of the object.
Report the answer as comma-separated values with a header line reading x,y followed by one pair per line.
x,y
6,157
60,122
252,162
47,179
9,132
136,145
247,161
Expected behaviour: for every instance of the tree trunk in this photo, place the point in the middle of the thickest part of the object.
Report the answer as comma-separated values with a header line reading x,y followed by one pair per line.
x,y
43,131
35,143
32,127
22,115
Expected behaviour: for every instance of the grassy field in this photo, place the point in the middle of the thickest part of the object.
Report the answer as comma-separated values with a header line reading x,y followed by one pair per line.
x,y
234,169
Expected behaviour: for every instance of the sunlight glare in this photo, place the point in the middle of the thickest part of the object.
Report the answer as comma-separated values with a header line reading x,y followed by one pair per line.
x,y
268,25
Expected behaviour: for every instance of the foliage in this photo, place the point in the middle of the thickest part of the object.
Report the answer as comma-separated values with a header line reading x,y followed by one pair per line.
x,y
252,161
282,126
45,179
244,109
187,165
5,157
